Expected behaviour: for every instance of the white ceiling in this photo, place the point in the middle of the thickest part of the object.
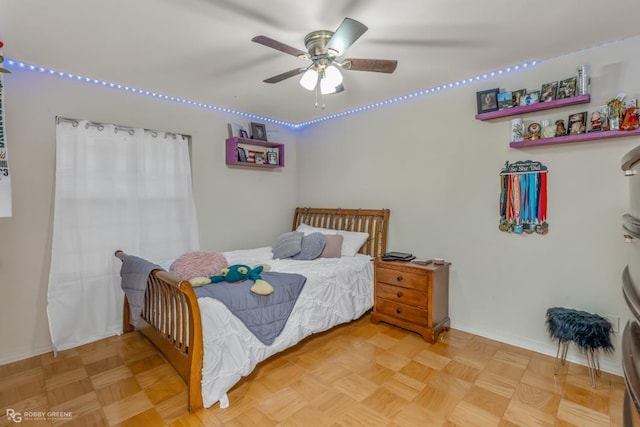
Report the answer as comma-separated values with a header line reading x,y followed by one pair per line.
x,y
201,50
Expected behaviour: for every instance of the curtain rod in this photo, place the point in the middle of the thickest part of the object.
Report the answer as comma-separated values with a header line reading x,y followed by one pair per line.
x,y
100,126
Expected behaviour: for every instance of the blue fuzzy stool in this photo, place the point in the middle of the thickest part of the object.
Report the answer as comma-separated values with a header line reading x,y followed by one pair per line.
x,y
589,332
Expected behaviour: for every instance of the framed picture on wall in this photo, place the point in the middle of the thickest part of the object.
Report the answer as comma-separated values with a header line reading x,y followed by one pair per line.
x,y
487,100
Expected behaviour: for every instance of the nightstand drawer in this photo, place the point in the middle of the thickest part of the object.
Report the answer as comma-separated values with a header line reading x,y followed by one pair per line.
x,y
401,295
402,278
402,311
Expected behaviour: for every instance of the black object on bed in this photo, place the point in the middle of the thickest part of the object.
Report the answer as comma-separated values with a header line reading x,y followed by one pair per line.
x,y
264,316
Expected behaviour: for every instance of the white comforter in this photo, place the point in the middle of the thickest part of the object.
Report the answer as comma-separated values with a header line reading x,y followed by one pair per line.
x,y
337,290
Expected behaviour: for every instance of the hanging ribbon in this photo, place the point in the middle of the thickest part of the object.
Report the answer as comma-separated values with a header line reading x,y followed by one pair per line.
x,y
523,198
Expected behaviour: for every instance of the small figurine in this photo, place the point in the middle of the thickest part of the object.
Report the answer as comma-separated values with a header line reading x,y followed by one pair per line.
x,y
534,130
561,130
630,121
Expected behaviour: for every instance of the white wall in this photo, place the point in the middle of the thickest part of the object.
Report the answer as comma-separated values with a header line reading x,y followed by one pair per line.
x,y
32,101
427,160
437,168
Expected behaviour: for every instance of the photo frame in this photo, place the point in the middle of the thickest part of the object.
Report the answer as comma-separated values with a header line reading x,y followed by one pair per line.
x,y
577,123
548,91
242,155
517,96
487,100
505,100
258,131
530,98
236,129
566,88
272,157
243,134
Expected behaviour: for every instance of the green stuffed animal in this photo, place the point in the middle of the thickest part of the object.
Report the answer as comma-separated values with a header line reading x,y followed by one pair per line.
x,y
239,272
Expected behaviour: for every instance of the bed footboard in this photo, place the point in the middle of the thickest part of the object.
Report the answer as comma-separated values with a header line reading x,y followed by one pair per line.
x,y
171,321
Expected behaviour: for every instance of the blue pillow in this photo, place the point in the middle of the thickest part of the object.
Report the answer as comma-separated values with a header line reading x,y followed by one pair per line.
x,y
287,244
312,246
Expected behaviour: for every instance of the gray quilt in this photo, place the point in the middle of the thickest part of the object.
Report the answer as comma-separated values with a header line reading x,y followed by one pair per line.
x,y
134,273
264,316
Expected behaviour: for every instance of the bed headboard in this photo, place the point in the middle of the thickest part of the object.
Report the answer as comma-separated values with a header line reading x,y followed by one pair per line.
x,y
371,221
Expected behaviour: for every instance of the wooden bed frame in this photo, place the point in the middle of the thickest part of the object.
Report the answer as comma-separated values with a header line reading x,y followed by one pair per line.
x,y
171,315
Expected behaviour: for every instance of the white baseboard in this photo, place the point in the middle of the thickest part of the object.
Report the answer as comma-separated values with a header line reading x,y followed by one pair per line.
x,y
608,363
24,354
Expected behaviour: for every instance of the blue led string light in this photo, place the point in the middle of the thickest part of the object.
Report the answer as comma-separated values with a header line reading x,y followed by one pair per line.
x,y
436,89
157,95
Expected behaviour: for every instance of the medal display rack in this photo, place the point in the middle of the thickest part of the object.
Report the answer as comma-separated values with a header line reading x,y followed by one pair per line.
x,y
523,198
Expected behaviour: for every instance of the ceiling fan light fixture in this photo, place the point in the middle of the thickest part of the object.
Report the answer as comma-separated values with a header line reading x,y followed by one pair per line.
x,y
332,76
309,79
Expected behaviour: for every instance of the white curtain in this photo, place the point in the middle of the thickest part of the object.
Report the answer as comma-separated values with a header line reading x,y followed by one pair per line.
x,y
116,188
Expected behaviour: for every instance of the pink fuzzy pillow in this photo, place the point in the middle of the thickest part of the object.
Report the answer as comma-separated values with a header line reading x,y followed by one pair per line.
x,y
198,264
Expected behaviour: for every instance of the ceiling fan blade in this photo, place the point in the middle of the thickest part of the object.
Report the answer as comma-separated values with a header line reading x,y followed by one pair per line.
x,y
286,75
377,65
274,44
347,33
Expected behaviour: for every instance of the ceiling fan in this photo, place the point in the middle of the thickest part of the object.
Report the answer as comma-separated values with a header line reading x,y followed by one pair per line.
x,y
323,49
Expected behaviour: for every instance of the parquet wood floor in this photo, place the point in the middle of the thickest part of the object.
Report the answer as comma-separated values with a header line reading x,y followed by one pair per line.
x,y
358,374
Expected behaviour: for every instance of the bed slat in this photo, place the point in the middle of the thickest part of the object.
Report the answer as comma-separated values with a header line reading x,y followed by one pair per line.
x,y
371,221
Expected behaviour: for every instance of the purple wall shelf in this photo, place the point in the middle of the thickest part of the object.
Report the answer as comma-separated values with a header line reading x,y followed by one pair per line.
x,y
539,106
593,136
232,152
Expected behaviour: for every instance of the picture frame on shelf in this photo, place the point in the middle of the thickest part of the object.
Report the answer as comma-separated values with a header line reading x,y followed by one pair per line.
x,y
529,98
517,96
235,129
505,100
577,123
258,131
487,100
243,134
259,158
566,88
548,91
272,157
242,155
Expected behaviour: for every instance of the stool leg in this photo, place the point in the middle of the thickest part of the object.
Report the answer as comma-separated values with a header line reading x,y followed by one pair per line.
x,y
592,367
561,357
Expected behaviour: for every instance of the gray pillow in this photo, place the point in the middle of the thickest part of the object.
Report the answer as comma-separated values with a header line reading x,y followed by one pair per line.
x,y
312,246
287,244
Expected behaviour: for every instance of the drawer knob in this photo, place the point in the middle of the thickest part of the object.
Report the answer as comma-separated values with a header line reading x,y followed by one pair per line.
x,y
399,294
399,278
398,310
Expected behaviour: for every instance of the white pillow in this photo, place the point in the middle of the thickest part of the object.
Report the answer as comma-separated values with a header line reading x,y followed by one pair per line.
x,y
351,243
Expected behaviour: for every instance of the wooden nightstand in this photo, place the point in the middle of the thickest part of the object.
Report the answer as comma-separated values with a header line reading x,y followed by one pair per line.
x,y
411,296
